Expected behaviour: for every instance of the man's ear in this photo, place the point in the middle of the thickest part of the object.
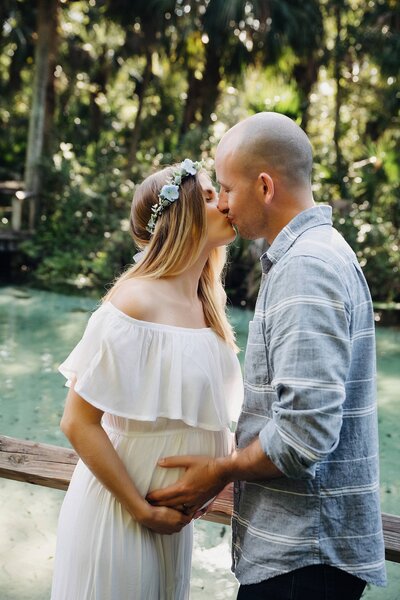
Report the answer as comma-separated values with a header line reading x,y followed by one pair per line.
x,y
267,184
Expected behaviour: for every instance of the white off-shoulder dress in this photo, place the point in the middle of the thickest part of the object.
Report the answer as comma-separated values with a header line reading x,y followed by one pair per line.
x,y
165,391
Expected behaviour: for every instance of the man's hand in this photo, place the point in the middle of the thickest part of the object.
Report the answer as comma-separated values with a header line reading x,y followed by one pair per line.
x,y
205,477
202,481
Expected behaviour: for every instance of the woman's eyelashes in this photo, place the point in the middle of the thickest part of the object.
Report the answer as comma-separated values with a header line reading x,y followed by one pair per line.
x,y
210,195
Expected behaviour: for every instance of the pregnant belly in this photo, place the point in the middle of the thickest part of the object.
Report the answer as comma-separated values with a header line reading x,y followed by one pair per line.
x,y
140,445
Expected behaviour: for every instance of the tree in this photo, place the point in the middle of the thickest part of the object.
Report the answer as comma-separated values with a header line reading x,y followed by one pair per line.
x,y
149,23
222,52
17,26
291,32
46,31
338,57
237,34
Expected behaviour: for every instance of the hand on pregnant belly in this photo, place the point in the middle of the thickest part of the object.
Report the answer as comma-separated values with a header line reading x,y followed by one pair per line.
x,y
200,482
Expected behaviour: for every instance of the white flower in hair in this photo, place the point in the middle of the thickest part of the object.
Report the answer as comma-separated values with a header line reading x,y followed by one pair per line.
x,y
189,166
169,192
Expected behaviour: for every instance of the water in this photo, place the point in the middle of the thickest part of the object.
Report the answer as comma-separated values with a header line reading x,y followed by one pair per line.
x,y
37,330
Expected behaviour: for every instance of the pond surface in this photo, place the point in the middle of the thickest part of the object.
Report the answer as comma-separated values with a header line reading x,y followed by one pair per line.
x,y
37,331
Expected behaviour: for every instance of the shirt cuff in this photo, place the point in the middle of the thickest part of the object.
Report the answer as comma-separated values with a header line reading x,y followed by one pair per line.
x,y
290,460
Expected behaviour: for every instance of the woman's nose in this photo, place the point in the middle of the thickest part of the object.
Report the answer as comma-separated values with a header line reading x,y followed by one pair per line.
x,y
215,199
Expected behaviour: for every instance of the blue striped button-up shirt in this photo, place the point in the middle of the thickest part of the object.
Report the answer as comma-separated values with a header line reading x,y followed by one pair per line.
x,y
310,396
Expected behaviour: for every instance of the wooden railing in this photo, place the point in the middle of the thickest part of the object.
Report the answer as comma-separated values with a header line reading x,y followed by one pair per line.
x,y
52,466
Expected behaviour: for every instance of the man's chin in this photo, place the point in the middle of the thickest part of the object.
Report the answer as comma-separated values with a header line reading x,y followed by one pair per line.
x,y
245,235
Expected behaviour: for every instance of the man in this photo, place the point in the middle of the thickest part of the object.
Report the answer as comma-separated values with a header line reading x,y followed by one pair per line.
x,y
306,522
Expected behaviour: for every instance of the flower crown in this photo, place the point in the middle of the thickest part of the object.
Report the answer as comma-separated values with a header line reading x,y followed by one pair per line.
x,y
170,191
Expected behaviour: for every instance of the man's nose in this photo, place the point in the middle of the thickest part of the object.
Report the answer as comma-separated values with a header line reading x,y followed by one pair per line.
x,y
222,203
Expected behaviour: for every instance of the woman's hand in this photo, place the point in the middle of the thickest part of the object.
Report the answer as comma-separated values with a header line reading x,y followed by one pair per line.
x,y
161,519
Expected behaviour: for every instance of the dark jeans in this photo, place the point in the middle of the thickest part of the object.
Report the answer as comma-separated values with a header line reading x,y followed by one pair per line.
x,y
317,582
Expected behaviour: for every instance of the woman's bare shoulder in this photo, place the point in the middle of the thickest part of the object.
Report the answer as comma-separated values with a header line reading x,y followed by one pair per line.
x,y
134,297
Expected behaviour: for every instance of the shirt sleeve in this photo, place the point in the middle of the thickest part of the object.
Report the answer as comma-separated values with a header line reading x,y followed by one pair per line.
x,y
307,323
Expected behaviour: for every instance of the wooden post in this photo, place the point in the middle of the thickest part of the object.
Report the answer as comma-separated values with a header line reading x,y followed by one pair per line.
x,y
16,215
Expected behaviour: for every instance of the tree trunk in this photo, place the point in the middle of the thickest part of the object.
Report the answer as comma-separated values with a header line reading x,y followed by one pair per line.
x,y
210,83
14,74
306,74
338,56
141,93
45,34
192,103
100,79
203,93
49,142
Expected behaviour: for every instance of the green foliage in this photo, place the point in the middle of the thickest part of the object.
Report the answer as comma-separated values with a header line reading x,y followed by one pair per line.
x,y
138,85
82,240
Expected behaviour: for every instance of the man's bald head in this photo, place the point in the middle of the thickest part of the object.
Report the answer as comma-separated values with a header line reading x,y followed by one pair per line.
x,y
271,142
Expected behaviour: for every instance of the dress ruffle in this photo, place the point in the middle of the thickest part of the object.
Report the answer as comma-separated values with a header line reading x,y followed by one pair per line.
x,y
143,371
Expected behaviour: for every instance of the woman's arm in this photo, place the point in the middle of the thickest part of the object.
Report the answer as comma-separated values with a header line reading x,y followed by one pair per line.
x,y
81,424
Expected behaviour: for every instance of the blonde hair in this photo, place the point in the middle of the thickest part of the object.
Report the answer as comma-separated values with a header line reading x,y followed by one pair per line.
x,y
176,244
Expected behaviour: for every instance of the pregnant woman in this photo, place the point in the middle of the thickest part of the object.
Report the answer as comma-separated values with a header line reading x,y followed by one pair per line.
x,y
155,374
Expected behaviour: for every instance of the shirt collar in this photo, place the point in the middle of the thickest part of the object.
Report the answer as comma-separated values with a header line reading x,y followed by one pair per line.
x,y
312,217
